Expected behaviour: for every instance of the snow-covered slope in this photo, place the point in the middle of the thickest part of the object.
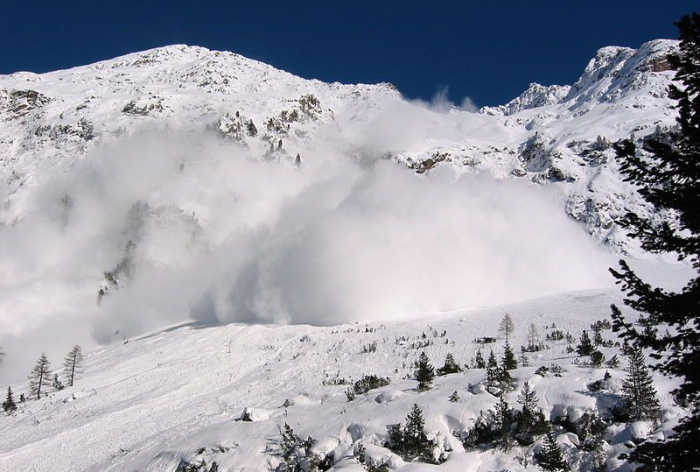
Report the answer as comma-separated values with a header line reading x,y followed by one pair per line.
x,y
182,183
178,395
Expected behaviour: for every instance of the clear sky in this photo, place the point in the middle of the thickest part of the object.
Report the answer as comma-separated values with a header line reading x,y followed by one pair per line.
x,y
487,50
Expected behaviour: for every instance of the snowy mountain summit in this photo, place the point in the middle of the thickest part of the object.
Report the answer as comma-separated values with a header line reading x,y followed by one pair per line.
x,y
554,134
251,259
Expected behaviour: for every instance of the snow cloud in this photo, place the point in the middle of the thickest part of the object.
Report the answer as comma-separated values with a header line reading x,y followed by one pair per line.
x,y
193,228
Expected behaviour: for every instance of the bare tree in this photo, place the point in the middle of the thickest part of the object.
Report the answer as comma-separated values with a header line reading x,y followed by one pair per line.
x,y
507,326
40,376
533,337
72,364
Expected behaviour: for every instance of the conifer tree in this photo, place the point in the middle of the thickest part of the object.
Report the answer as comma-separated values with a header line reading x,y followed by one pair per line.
x,y
424,372
507,327
450,367
509,362
492,360
454,398
585,347
39,376
531,421
667,171
524,361
72,364
638,391
528,399
504,423
9,404
479,361
550,457
597,359
56,383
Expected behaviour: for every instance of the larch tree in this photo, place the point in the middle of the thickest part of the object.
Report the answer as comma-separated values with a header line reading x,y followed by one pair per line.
x,y
72,364
507,327
40,376
666,168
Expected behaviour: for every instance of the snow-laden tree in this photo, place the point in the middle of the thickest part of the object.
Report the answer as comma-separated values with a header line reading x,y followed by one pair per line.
x,y
72,364
550,457
667,172
40,376
9,404
479,362
638,391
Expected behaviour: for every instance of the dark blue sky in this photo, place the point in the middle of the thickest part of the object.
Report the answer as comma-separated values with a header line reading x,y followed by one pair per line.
x,y
489,51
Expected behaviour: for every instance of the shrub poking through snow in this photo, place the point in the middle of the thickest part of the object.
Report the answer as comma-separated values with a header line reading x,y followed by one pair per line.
x,y
365,384
411,441
369,464
454,398
297,455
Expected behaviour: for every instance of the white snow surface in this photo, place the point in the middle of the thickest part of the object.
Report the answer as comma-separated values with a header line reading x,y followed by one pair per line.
x,y
138,177
158,398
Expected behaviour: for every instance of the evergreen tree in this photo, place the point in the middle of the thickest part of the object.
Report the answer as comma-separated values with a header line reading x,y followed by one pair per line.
x,y
597,359
9,404
450,367
531,421
598,337
454,398
550,457
504,423
424,372
492,360
585,347
667,171
40,376
72,364
56,383
638,392
479,362
509,362
524,361
528,399
411,442
507,327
